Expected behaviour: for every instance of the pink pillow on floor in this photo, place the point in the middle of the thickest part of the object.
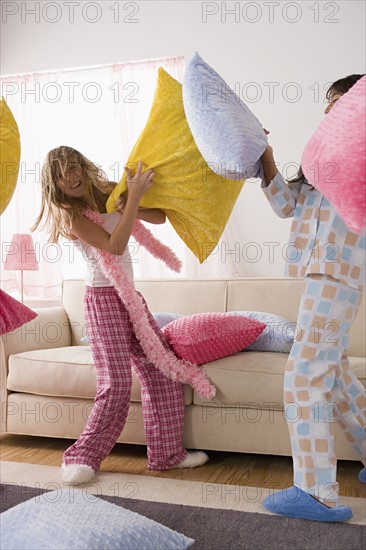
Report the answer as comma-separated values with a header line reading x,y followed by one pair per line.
x,y
334,160
204,337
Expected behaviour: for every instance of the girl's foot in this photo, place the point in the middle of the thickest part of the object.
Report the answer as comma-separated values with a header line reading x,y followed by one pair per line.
x,y
295,503
74,474
362,475
196,458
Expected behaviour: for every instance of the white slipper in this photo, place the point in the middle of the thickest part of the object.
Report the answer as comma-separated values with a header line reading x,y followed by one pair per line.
x,y
197,458
76,473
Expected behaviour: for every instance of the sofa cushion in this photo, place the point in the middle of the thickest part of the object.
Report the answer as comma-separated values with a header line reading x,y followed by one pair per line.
x,y
255,379
67,371
62,372
278,335
194,296
163,318
241,379
205,337
267,294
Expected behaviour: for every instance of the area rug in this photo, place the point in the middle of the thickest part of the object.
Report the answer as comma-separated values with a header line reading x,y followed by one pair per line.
x,y
217,517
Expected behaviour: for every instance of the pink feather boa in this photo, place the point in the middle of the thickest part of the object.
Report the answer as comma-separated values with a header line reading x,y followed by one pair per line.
x,y
144,237
164,359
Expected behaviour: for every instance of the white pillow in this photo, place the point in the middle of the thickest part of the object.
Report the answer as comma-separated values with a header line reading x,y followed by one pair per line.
x,y
72,519
230,138
163,319
278,335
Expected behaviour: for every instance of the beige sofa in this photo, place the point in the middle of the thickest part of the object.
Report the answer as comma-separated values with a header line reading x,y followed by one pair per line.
x,y
48,378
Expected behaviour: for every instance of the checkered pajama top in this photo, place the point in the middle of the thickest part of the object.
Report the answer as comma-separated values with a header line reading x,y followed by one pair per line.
x,y
320,241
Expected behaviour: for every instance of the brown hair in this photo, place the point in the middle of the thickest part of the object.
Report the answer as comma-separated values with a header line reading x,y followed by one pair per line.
x,y
342,85
57,208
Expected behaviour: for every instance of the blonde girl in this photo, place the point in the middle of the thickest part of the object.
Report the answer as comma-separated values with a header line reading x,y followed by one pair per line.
x,y
71,185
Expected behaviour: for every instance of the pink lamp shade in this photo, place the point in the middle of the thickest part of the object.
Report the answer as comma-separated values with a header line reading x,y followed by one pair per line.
x,y
21,253
13,314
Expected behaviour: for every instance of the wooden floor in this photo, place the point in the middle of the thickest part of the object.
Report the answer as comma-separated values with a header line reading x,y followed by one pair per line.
x,y
226,468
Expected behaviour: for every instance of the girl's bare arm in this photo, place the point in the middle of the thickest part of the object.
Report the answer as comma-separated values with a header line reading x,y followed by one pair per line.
x,y
151,215
116,242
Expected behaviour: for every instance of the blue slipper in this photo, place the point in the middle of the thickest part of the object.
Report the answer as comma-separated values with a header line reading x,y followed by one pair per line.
x,y
362,475
295,503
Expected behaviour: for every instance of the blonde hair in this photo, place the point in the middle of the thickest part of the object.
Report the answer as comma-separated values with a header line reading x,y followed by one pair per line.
x,y
58,209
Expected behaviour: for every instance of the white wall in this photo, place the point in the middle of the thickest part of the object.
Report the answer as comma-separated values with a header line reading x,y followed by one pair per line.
x,y
306,43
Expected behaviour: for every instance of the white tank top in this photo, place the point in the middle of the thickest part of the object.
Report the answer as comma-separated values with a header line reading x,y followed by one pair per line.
x,y
94,274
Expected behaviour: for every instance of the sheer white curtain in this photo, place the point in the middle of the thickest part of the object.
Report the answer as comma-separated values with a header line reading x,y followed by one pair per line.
x,y
99,111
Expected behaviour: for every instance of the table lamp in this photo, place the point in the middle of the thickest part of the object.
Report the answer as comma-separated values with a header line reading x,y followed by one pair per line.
x,y
21,256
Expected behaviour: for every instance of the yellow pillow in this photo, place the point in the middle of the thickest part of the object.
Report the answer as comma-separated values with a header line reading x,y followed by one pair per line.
x,y
9,154
197,201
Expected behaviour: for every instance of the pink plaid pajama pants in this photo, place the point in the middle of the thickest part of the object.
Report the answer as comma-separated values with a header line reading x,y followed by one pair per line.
x,y
115,350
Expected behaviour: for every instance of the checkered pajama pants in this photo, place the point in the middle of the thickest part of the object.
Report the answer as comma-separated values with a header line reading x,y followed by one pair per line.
x,y
115,349
320,388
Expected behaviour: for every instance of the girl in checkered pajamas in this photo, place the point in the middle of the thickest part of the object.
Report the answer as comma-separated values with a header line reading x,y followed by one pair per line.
x,y
319,386
70,184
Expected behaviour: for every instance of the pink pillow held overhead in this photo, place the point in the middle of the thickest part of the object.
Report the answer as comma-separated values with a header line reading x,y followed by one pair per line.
x,y
334,160
205,337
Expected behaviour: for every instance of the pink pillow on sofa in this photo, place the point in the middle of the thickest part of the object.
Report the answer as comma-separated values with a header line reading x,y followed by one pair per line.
x,y
204,337
334,159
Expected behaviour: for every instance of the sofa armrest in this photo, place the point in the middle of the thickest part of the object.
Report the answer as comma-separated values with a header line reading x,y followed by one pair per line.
x,y
50,329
